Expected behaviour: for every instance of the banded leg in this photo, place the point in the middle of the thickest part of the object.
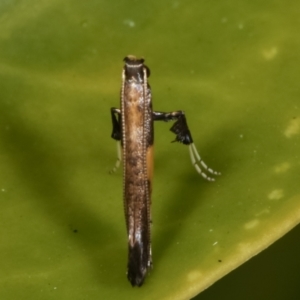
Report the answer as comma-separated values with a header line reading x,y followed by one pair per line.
x,y
183,135
116,135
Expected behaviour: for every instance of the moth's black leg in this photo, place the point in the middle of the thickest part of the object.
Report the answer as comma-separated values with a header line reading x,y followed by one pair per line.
x,y
180,127
116,134
183,135
116,123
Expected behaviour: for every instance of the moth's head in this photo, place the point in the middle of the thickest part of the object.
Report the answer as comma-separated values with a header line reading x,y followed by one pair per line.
x,y
134,68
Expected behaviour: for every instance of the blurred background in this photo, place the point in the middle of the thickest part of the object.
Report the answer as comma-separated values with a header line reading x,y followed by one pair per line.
x,y
272,274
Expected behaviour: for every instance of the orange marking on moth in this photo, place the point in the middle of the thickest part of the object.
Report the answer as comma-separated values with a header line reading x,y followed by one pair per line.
x,y
149,156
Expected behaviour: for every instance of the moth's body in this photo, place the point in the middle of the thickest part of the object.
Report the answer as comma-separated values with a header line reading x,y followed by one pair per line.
x,y
137,141
134,128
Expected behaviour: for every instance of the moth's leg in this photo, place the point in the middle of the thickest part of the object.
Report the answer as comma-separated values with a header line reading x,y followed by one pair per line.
x,y
116,135
183,135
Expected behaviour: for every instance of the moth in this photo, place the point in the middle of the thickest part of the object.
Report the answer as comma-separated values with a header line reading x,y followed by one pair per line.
x,y
133,130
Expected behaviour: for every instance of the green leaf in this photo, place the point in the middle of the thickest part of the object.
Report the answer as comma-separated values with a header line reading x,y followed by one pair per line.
x,y
233,68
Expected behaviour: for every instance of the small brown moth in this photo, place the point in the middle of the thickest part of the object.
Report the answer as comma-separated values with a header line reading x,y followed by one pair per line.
x,y
133,126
